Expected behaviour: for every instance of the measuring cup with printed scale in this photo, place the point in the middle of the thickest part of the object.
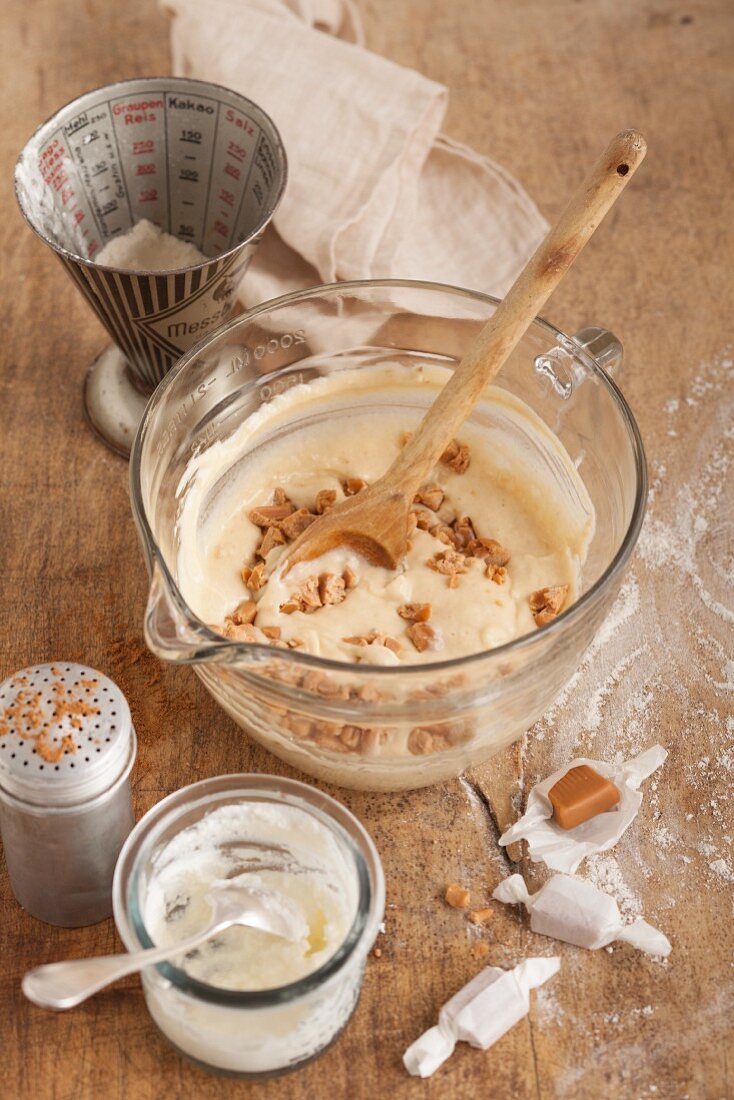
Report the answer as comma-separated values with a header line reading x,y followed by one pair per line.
x,y
205,164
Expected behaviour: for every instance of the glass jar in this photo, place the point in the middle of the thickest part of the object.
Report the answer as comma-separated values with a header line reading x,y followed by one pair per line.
x,y
395,727
271,1031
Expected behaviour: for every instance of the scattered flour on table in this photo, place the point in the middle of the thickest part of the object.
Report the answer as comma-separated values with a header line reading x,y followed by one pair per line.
x,y
472,797
548,1012
629,1014
604,872
661,669
662,666
722,869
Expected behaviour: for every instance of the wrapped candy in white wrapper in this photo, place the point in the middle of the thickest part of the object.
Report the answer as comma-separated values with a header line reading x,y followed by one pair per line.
x,y
480,1013
573,910
564,849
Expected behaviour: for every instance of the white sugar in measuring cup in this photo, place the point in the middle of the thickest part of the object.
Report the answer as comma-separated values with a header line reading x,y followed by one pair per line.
x,y
202,162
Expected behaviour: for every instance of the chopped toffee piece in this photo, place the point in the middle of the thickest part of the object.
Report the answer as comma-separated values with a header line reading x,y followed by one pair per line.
x,y
296,523
350,577
325,499
546,603
415,612
280,496
421,742
479,916
309,596
423,520
242,633
581,794
269,515
290,605
431,496
368,693
458,897
256,577
301,727
464,532
353,485
450,561
496,573
456,456
488,550
271,631
306,599
273,537
316,592
446,533
332,588
245,612
480,950
421,635
351,736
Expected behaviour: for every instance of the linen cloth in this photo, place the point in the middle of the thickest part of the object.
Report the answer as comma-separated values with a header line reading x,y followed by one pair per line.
x,y
374,189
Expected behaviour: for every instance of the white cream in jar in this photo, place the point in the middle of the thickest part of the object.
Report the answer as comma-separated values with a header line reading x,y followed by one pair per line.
x,y
279,847
520,490
249,1003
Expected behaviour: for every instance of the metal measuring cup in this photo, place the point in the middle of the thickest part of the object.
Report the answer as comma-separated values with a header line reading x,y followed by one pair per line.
x,y
201,161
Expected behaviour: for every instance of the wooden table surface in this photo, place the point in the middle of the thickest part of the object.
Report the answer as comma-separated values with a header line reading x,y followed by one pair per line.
x,y
538,86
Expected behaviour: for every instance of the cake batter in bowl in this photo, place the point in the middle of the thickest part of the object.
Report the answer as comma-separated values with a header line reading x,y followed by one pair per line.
x,y
344,370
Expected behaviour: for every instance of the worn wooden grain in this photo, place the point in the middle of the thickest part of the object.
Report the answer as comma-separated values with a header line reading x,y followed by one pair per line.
x,y
537,86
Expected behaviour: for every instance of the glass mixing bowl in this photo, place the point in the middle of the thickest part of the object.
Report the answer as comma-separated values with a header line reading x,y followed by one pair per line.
x,y
385,728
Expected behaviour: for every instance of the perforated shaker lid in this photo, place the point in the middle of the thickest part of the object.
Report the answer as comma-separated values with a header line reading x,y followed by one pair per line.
x,y
66,734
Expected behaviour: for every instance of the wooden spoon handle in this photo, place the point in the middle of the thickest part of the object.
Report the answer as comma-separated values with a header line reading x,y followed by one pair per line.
x,y
515,313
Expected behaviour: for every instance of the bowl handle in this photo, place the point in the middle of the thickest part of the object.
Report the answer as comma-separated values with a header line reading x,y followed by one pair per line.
x,y
560,367
602,345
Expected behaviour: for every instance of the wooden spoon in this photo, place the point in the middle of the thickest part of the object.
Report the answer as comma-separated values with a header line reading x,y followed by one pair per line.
x,y
374,522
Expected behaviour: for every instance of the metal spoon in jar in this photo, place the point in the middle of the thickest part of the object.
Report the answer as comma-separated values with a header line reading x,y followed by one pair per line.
x,y
66,984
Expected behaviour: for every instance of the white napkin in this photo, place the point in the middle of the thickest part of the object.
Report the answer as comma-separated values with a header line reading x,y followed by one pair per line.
x,y
374,190
480,1013
572,910
564,849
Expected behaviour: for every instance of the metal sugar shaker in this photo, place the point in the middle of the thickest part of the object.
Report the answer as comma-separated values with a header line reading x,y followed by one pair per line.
x,y
67,746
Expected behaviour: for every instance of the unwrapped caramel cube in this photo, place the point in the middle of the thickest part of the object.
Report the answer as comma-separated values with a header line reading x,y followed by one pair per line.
x,y
581,794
